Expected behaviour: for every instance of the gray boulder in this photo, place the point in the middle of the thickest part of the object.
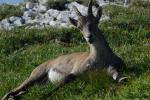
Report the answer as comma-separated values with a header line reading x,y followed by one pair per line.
x,y
39,8
53,13
42,8
46,21
13,18
64,25
102,2
55,23
63,16
16,21
37,16
81,8
29,5
30,13
19,22
5,24
43,2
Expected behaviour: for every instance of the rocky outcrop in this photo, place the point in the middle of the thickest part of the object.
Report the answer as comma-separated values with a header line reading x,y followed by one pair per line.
x,y
37,15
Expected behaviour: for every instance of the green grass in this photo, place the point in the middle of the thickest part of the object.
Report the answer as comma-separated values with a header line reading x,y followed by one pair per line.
x,y
128,34
10,10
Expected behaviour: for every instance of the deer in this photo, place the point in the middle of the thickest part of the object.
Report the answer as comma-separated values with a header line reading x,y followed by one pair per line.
x,y
66,68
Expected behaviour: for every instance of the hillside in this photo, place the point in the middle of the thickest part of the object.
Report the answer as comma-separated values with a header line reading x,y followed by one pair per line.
x,y
127,32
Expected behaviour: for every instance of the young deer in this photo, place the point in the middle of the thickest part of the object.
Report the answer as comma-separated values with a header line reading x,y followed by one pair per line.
x,y
65,68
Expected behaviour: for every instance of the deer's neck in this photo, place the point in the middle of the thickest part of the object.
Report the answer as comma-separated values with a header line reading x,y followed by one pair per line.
x,y
100,50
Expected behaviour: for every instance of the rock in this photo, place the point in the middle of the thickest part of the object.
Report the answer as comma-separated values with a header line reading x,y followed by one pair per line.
x,y
29,5
73,15
30,13
52,12
103,2
19,22
13,18
43,2
37,16
35,7
42,8
39,8
81,8
63,16
64,25
5,24
46,15
32,21
46,21
54,23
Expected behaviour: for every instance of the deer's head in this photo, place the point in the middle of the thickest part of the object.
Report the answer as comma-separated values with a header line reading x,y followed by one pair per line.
x,y
88,24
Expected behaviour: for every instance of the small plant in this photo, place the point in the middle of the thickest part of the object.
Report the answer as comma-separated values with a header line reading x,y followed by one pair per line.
x,y
57,4
141,3
9,10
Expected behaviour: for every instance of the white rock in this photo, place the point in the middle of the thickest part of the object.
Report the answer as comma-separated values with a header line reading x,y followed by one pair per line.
x,y
19,22
30,13
83,9
5,24
46,21
54,23
13,18
35,7
46,15
29,5
42,8
64,25
35,17
30,21
53,12
73,15
39,8
63,16
43,2
102,2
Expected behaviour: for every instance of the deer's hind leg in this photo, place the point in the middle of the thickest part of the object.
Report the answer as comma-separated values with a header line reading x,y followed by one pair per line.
x,y
37,75
115,74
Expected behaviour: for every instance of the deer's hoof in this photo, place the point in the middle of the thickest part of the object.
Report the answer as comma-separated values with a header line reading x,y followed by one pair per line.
x,y
8,97
11,98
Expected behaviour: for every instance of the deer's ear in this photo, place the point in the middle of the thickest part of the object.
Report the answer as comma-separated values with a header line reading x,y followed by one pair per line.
x,y
73,21
99,13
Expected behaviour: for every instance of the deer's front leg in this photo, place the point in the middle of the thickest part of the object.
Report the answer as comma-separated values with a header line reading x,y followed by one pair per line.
x,y
115,74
